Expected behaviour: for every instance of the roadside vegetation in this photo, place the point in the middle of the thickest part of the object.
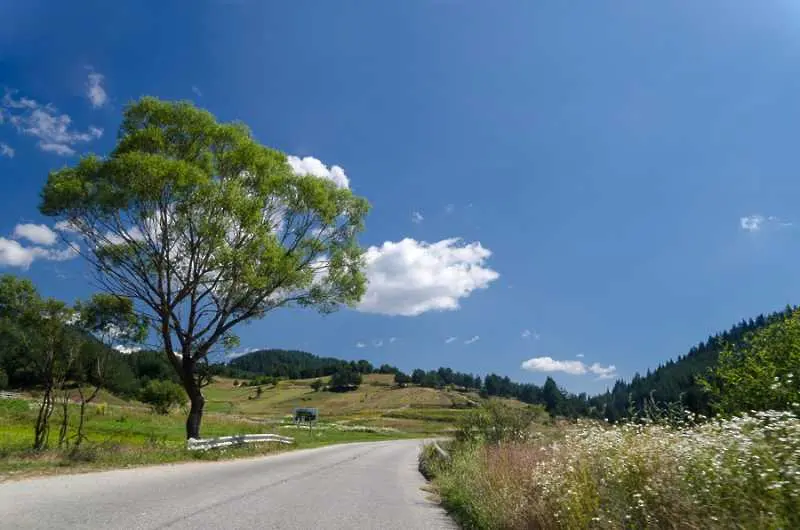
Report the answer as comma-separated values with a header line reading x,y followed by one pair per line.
x,y
121,432
663,468
132,434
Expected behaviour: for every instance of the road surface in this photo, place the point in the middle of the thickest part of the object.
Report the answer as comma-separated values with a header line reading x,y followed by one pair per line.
x,y
362,485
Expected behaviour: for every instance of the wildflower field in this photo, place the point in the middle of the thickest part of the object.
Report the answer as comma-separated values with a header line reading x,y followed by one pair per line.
x,y
741,472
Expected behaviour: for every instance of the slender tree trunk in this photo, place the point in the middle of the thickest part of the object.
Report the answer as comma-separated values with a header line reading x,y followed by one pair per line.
x,y
196,398
64,430
79,437
42,428
195,413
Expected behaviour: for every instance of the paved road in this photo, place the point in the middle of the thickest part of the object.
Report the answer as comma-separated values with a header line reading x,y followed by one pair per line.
x,y
364,485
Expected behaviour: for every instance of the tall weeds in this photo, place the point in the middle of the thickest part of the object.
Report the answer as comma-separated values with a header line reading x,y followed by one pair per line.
x,y
743,472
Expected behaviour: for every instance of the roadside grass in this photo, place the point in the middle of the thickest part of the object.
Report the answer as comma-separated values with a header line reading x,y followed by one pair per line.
x,y
742,472
125,433
128,436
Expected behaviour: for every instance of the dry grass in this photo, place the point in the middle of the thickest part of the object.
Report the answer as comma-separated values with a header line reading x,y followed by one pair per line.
x,y
377,395
740,473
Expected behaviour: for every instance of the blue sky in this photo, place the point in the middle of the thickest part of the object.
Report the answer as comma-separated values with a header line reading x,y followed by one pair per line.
x,y
622,175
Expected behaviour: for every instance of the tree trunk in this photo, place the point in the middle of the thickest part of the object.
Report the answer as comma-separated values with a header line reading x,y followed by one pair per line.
x,y
195,412
196,398
63,432
42,428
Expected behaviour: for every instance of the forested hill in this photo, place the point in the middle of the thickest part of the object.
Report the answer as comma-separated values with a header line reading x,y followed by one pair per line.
x,y
293,364
677,380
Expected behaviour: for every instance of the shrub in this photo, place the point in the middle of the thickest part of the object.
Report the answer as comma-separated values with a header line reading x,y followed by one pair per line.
x,y
497,422
402,379
344,379
162,395
317,385
3,379
760,374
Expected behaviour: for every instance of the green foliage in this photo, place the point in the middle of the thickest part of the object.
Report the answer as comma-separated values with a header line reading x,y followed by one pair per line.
x,y
3,379
402,379
293,364
263,380
344,379
204,228
162,395
681,380
761,373
497,422
317,385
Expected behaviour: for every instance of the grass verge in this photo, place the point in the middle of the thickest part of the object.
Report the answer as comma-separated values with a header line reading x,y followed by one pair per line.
x,y
738,473
128,436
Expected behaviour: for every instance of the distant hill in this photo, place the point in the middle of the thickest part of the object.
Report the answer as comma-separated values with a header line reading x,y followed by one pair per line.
x,y
294,364
677,380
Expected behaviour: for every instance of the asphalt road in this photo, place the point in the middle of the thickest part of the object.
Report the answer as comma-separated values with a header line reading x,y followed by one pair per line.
x,y
363,485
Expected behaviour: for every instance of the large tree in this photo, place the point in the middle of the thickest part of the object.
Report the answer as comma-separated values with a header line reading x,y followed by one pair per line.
x,y
205,229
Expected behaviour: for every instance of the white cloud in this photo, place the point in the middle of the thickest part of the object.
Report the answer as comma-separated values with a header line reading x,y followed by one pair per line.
x,y
127,349
58,149
580,355
95,91
525,334
47,124
392,339
6,150
448,340
603,372
779,222
751,223
548,364
65,226
410,277
239,353
13,254
39,234
312,166
450,208
117,239
417,217
755,223
476,338
197,91
21,103
360,345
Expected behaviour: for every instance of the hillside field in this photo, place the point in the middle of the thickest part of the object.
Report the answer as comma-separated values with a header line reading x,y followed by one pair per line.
x,y
126,433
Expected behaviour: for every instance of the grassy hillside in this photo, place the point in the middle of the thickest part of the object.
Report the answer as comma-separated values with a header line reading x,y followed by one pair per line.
x,y
378,401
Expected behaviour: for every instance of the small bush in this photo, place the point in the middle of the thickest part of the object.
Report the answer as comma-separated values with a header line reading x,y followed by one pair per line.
x,y
162,395
496,422
344,379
